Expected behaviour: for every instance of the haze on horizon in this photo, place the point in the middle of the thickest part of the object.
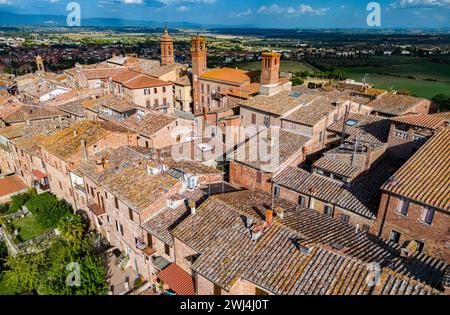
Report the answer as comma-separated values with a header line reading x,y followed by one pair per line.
x,y
258,13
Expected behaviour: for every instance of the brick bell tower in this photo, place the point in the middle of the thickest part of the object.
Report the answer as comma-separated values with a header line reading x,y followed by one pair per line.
x,y
199,66
167,56
270,68
40,64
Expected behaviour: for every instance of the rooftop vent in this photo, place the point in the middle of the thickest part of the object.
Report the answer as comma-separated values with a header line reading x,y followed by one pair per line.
x,y
295,94
337,246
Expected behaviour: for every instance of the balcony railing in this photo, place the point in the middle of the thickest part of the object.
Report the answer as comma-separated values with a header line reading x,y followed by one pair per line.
x,y
42,187
96,209
149,251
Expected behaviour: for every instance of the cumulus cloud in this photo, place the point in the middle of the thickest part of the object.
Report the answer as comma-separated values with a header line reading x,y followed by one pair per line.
x,y
241,14
302,9
307,9
269,10
404,4
183,8
133,1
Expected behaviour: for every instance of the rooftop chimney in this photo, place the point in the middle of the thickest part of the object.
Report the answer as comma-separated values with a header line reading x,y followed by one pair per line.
x,y
84,148
193,207
280,212
269,217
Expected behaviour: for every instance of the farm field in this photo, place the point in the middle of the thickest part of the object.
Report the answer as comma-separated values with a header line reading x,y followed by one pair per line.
x,y
286,66
414,77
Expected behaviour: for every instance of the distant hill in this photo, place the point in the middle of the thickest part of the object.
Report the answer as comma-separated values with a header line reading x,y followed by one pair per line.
x,y
13,19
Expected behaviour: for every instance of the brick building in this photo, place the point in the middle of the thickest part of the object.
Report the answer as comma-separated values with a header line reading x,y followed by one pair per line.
x,y
143,90
235,244
416,200
408,133
64,150
391,104
262,156
134,199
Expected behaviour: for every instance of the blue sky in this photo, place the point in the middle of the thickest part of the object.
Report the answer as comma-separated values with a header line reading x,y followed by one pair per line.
x,y
264,13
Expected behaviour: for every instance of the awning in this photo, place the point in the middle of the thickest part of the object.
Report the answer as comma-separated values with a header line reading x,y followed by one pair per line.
x,y
39,175
177,279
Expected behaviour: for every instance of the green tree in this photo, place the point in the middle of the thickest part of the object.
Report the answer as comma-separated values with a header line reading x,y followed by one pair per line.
x,y
297,81
442,101
72,227
48,210
3,255
25,271
91,267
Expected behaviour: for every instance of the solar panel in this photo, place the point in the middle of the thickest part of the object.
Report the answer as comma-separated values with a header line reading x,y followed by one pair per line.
x,y
351,122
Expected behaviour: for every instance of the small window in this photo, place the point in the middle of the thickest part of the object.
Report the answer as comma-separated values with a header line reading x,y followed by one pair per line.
x,y
394,236
427,215
276,191
402,206
116,202
164,89
130,213
167,249
259,177
301,201
266,121
328,210
345,218
420,246
254,119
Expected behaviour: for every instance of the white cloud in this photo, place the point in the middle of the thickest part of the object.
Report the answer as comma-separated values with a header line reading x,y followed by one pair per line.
x,y
270,10
307,9
241,14
133,1
403,4
168,2
183,8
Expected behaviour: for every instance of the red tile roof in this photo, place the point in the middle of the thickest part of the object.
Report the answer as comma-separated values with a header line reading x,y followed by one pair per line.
x,y
420,120
425,178
177,279
145,81
227,75
38,174
11,185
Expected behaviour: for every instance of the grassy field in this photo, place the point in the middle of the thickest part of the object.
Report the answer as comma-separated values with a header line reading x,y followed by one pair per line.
x,y
29,228
413,77
286,66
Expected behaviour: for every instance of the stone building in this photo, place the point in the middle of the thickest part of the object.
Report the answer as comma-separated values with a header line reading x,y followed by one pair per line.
x,y
247,243
414,208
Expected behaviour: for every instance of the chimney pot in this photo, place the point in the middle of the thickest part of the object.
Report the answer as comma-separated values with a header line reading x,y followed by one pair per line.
x,y
84,148
269,217
193,207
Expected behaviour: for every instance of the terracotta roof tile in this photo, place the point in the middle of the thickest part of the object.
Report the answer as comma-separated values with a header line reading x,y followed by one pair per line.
x,y
425,177
231,75
276,262
177,279
420,120
11,185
